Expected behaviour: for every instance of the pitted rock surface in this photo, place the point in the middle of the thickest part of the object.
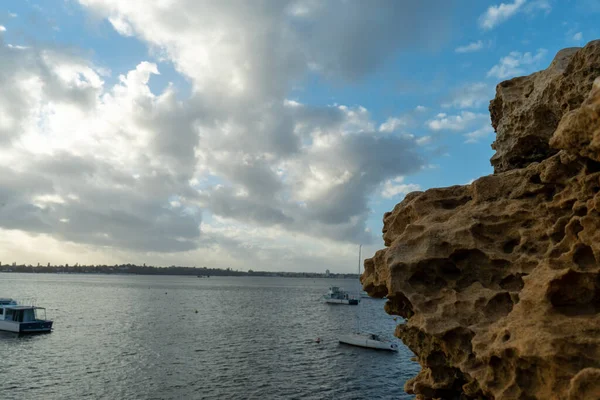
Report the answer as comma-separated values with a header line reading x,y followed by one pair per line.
x,y
499,281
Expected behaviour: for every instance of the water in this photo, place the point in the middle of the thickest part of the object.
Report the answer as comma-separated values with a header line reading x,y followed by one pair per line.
x,y
139,337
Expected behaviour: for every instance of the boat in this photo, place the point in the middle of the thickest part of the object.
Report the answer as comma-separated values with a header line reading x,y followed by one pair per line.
x,y
19,318
366,339
339,296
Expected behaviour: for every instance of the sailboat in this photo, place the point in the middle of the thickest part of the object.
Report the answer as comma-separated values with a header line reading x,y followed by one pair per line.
x,y
366,339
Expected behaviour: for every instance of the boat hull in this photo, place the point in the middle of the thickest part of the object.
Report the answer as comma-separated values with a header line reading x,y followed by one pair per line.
x,y
351,302
26,327
36,327
361,341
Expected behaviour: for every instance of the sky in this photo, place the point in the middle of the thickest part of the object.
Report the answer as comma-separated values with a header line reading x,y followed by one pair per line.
x,y
268,135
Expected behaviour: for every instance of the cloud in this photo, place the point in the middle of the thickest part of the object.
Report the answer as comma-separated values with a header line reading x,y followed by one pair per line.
x,y
469,96
72,147
392,124
517,63
497,14
218,45
120,166
121,26
538,5
476,135
578,37
470,48
110,167
395,187
457,123
2,28
423,140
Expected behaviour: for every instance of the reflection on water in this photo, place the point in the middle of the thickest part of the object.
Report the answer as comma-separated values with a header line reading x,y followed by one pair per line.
x,y
140,337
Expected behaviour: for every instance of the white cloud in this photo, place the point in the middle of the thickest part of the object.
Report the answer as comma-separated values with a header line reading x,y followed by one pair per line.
x,y
392,124
517,63
423,140
2,28
536,5
578,37
470,48
121,26
470,96
476,135
395,187
497,14
87,165
457,123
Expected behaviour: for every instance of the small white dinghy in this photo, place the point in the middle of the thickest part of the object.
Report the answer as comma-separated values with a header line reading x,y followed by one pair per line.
x,y
368,340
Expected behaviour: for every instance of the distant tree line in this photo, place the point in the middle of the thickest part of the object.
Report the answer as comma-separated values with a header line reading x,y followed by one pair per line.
x,y
202,272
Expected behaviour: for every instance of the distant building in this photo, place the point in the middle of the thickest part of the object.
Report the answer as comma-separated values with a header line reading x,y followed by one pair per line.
x,y
327,273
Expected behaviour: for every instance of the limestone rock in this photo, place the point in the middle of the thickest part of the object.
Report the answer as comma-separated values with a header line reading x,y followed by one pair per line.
x,y
499,281
526,110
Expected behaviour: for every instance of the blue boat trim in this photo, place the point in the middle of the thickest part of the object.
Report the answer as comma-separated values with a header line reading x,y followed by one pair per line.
x,y
36,326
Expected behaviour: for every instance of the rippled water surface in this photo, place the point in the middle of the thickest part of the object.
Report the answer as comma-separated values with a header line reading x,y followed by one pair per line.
x,y
139,337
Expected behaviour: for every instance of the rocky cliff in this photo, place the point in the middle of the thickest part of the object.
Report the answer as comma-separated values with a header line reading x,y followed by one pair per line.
x,y
499,281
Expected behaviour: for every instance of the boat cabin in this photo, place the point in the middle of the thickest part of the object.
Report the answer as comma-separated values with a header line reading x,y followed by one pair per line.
x,y
22,313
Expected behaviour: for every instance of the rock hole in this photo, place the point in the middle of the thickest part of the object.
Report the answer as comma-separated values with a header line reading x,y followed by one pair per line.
x,y
558,231
575,227
495,361
436,359
451,204
399,304
535,179
584,257
499,306
449,270
425,278
592,166
512,283
506,337
549,193
575,293
509,246
557,252
581,211
458,340
500,263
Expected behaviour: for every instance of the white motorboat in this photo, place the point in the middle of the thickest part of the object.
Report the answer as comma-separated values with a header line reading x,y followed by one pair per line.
x,y
20,318
338,296
368,340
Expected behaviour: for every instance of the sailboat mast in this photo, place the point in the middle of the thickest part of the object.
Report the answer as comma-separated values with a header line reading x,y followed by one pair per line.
x,y
359,249
359,290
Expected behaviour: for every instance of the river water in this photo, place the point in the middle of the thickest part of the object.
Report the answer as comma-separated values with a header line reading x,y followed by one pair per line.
x,y
167,337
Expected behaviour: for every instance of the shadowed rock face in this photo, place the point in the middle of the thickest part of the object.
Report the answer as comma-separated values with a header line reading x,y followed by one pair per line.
x,y
499,281
527,110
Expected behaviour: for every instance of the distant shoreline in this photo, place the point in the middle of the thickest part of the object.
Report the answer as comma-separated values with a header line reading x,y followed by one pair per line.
x,y
129,269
